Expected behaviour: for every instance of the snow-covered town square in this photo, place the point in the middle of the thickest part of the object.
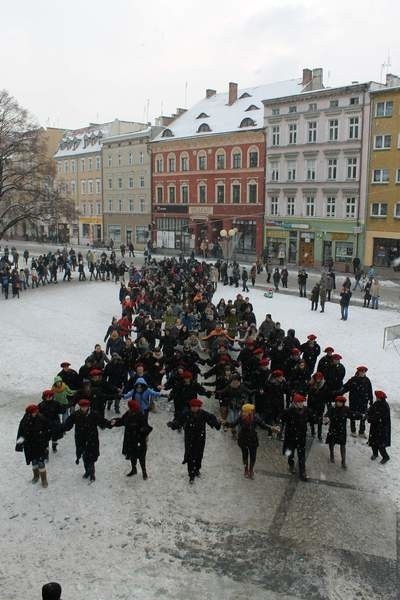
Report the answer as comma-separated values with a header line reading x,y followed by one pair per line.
x,y
334,535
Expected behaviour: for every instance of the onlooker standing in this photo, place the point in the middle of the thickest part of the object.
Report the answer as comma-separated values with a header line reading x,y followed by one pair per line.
x,y
345,296
322,297
245,278
367,294
253,274
315,297
302,281
374,293
276,277
356,264
284,277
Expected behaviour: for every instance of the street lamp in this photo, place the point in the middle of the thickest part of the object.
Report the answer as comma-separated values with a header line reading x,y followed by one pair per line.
x,y
229,242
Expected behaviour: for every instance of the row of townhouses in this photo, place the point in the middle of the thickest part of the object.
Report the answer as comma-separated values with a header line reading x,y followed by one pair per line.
x,y
301,171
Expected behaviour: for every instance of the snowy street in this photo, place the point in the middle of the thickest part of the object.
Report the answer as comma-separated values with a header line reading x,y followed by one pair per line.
x,y
333,538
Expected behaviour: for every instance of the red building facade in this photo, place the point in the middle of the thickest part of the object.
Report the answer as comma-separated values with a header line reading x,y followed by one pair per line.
x,y
202,185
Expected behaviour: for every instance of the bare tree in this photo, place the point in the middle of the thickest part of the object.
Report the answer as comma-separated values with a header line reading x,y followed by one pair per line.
x,y
27,191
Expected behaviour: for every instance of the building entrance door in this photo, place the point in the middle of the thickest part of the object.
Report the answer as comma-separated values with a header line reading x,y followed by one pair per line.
x,y
327,253
306,255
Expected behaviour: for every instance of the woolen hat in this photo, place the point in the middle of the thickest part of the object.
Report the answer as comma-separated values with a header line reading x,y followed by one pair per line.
x,y
312,337
246,408
380,395
84,402
336,357
65,364
318,376
329,349
264,362
134,405
277,373
258,351
341,399
95,372
298,398
47,394
187,375
295,351
32,409
362,369
195,402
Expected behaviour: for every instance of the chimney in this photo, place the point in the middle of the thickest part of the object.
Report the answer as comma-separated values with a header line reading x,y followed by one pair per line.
x,y
233,92
210,93
392,80
307,76
180,111
164,121
317,79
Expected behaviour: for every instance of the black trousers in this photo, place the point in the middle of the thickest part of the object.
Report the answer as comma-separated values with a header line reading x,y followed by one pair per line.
x,y
142,460
353,425
301,455
249,451
89,465
381,450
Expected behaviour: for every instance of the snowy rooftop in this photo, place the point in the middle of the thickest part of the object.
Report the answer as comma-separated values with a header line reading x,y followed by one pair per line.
x,y
215,115
83,141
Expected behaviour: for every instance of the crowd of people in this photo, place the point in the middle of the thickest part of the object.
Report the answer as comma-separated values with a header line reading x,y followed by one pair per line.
x,y
170,340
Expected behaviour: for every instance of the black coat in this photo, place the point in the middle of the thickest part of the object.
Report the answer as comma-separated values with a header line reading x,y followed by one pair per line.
x,y
195,432
334,375
86,433
310,354
135,436
318,398
380,430
360,394
51,409
71,378
295,422
337,432
35,433
247,434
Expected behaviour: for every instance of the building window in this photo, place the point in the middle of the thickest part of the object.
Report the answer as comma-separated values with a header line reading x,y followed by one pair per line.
x,y
184,194
378,209
203,128
120,183
291,170
141,158
330,206
237,160
110,206
159,164
333,103
73,166
90,186
312,107
73,187
247,122
275,135
130,159
114,232
236,193
292,133
202,162
82,164
83,187
110,183
333,130
184,163
310,170
397,175
274,171
141,205
380,176
351,205
354,100
343,251
84,208
171,194
332,168
142,233
290,204
98,208
382,142
65,166
310,206
167,133
352,166
142,181
98,186
292,109
396,213
131,205
130,182
353,128
312,132
171,164
384,109
274,206
202,194
220,161
253,159
220,193
109,161
252,193
91,209
160,199
120,205
90,164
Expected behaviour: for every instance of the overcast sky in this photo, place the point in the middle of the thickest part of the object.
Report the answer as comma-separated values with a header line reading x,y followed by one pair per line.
x,y
78,61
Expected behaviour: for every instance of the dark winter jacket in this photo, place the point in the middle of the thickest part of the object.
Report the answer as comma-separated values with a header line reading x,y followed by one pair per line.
x,y
380,430
86,433
247,434
294,421
33,437
360,394
337,432
135,436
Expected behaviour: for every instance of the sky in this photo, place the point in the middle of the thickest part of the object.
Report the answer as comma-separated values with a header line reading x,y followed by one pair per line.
x,y
71,63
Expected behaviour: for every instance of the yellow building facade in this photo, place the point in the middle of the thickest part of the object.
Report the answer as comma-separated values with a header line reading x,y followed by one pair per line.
x,y
382,242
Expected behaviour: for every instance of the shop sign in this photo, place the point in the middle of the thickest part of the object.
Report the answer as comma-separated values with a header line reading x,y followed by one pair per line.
x,y
284,225
172,208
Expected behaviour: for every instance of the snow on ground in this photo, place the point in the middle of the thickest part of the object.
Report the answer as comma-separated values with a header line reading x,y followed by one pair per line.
x,y
225,537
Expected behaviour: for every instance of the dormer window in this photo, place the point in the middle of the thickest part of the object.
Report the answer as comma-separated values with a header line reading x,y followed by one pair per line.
x,y
167,133
247,122
204,128
202,116
252,107
244,95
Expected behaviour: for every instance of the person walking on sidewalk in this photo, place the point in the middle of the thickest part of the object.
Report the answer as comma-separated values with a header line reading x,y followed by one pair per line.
x,y
375,293
380,430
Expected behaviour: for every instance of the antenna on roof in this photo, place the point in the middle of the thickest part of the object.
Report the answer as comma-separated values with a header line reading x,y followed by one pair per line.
x,y
186,93
147,110
385,66
162,108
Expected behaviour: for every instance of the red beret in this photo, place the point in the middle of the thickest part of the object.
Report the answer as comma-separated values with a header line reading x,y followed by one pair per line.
x,y
380,395
295,351
362,369
329,349
264,362
134,405
336,357
47,394
95,372
196,402
32,409
277,373
249,342
341,399
318,376
258,351
84,402
65,364
298,398
187,375
311,337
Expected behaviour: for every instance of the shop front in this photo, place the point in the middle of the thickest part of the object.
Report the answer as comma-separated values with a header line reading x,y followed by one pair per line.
x,y
91,230
385,250
171,227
